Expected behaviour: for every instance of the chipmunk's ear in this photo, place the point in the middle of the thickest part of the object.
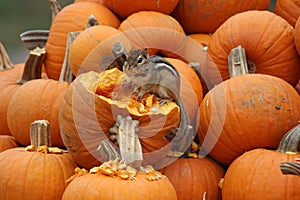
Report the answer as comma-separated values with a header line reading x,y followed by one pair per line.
x,y
145,53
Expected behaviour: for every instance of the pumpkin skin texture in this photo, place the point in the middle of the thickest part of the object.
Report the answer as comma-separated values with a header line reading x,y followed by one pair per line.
x,y
159,32
34,175
271,50
255,173
85,119
193,177
99,186
7,142
24,108
121,8
8,83
73,17
206,16
288,9
246,112
296,35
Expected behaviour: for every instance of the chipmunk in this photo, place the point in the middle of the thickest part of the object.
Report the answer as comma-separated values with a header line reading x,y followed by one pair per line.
x,y
153,74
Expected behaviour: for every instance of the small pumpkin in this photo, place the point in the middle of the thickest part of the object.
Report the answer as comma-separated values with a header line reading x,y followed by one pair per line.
x,y
270,51
25,173
288,9
206,16
246,112
256,172
7,142
72,17
121,8
200,176
159,32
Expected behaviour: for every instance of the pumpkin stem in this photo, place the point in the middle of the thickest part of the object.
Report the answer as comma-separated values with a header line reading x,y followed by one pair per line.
x,y
5,63
126,131
40,134
92,21
34,38
55,7
237,62
107,150
290,141
33,65
290,168
66,74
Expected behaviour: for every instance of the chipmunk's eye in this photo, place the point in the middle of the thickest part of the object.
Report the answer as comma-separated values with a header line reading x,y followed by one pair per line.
x,y
140,59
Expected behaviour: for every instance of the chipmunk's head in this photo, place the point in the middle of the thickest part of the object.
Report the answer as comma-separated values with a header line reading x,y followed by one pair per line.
x,y
138,65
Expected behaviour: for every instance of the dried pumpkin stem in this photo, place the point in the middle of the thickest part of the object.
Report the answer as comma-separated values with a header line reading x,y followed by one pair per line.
x,y
66,74
120,54
55,7
290,141
290,168
5,62
92,21
237,62
40,133
33,65
127,136
108,151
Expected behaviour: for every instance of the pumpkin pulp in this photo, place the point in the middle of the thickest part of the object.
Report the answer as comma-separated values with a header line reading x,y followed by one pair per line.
x,y
110,89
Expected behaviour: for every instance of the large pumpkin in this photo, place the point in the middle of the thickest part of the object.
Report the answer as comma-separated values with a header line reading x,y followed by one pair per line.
x,y
206,16
296,35
195,178
86,117
288,9
34,175
124,8
246,112
112,182
159,32
256,173
270,51
73,17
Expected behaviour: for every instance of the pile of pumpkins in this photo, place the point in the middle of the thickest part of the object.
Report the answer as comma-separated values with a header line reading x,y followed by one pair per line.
x,y
246,126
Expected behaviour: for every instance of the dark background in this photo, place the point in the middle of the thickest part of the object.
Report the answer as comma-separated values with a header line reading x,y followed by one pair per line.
x,y
17,16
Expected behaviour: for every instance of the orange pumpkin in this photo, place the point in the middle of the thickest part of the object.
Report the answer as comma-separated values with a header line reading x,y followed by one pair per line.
x,y
206,16
87,114
96,118
92,45
200,177
296,36
246,112
28,174
256,172
270,51
124,8
159,32
24,107
7,142
73,17
288,9
98,185
12,78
